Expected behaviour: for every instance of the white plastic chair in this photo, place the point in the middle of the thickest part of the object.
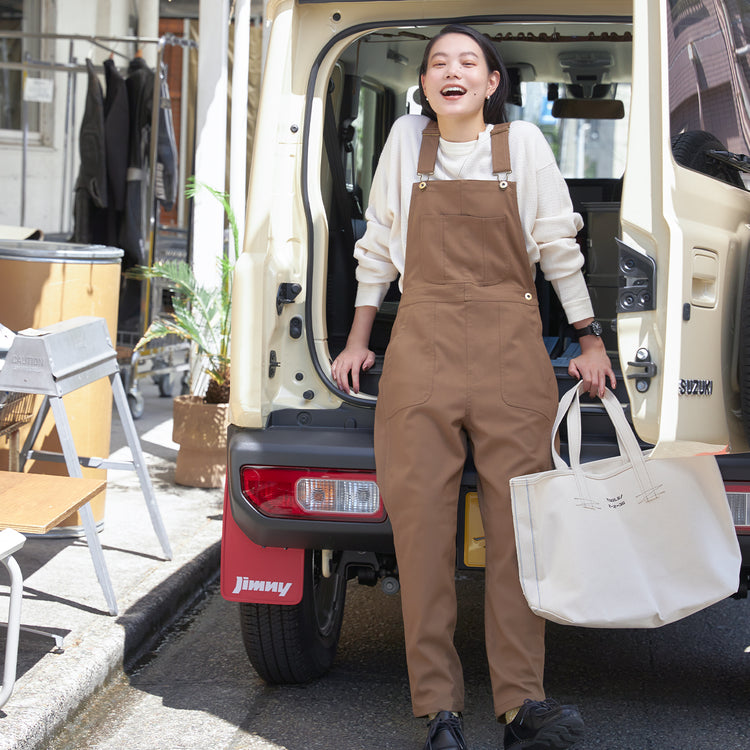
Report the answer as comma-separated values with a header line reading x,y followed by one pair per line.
x,y
10,542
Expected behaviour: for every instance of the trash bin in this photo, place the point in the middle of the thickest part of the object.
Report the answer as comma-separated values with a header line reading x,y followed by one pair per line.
x,y
47,282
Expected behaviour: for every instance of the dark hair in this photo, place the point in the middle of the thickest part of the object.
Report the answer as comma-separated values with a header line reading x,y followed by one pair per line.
x,y
494,108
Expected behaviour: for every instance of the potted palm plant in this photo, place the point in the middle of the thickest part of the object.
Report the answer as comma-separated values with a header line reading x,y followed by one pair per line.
x,y
202,316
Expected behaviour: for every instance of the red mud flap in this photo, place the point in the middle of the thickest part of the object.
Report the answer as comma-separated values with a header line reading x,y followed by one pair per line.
x,y
263,575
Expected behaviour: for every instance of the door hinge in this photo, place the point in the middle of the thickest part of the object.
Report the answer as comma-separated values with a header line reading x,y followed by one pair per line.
x,y
273,364
286,293
637,283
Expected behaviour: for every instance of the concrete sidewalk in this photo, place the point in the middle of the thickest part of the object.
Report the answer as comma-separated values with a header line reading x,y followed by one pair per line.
x,y
62,595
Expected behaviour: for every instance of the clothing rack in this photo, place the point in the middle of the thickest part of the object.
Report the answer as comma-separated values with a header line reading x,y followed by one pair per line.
x,y
171,354
72,67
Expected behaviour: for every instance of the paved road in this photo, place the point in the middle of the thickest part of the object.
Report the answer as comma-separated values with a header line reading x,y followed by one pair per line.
x,y
683,687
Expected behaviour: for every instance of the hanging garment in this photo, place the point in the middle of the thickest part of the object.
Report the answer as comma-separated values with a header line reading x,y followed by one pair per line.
x,y
139,84
166,150
116,127
103,141
135,228
135,225
466,363
116,134
91,186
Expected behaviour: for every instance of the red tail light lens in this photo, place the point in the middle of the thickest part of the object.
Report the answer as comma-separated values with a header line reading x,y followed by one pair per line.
x,y
311,493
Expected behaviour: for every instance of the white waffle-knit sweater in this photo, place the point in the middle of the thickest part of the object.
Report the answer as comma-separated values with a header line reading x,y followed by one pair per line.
x,y
549,223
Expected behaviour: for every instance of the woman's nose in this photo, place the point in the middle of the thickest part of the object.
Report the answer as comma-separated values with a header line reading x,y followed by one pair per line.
x,y
452,70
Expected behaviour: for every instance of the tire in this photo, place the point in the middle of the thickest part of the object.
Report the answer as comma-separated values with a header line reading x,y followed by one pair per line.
x,y
690,149
136,404
290,645
165,384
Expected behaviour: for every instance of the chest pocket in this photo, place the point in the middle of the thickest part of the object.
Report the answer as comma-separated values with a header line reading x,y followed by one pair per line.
x,y
464,249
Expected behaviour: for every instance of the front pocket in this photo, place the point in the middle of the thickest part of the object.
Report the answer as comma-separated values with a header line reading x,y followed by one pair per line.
x,y
527,378
409,365
460,248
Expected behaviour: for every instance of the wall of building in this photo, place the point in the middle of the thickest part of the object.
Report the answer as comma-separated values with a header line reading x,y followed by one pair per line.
x,y
52,153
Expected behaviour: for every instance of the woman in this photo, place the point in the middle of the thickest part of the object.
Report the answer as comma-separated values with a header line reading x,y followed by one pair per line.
x,y
462,206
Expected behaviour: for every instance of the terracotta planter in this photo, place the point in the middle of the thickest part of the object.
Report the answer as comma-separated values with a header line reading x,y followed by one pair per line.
x,y
201,431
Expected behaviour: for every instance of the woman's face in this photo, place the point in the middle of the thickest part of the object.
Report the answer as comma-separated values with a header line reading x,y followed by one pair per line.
x,y
457,80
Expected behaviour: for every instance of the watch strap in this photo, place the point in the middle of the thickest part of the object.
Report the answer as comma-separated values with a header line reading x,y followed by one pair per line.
x,y
589,330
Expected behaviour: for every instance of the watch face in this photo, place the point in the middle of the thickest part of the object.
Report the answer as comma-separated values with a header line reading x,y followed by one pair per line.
x,y
596,328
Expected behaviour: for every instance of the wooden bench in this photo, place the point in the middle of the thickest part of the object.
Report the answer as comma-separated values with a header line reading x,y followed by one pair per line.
x,y
34,504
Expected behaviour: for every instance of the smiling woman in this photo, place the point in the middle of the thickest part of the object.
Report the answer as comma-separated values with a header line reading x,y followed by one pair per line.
x,y
456,83
462,76
459,198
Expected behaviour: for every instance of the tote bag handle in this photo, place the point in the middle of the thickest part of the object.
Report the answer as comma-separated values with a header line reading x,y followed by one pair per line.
x,y
630,450
573,421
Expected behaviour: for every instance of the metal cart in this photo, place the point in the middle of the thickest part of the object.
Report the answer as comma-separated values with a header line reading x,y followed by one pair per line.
x,y
166,361
16,410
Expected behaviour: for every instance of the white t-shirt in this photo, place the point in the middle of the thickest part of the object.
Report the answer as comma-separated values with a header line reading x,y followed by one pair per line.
x,y
549,223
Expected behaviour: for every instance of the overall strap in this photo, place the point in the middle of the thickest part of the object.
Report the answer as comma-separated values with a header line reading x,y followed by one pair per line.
x,y
429,149
500,148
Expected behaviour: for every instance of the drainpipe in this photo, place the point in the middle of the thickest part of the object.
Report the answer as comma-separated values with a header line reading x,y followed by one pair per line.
x,y
148,26
238,138
211,139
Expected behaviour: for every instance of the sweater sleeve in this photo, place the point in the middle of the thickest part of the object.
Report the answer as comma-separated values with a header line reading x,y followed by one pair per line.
x,y
554,231
375,267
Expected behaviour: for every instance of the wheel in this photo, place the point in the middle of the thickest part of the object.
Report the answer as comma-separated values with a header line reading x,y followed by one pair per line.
x,y
690,149
296,644
136,404
158,364
165,383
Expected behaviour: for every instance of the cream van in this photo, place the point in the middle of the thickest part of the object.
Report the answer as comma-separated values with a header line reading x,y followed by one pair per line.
x,y
645,104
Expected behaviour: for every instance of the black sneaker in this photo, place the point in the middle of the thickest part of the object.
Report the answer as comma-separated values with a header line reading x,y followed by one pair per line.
x,y
544,725
446,732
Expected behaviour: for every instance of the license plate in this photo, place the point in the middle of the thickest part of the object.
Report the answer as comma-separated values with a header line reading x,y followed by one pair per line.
x,y
473,532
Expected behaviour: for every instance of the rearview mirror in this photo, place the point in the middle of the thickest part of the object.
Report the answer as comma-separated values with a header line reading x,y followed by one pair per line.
x,y
588,109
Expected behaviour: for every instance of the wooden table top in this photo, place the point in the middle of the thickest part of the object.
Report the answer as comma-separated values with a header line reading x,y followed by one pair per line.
x,y
36,503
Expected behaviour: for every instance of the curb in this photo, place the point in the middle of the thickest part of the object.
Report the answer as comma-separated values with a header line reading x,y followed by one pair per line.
x,y
88,664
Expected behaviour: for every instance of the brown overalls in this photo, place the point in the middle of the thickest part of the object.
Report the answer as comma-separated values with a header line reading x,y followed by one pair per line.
x,y
466,360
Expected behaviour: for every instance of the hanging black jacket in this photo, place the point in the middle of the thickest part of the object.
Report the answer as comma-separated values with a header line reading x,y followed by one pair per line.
x,y
91,186
135,228
116,134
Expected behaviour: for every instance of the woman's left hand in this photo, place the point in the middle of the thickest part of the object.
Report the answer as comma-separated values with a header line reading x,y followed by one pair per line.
x,y
593,366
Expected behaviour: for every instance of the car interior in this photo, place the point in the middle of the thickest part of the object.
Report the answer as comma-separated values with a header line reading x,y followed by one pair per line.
x,y
571,78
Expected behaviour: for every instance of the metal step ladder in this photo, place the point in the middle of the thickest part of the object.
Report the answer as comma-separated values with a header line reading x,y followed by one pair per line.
x,y
54,361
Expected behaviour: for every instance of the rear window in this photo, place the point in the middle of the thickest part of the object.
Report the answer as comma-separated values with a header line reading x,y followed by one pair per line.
x,y
584,148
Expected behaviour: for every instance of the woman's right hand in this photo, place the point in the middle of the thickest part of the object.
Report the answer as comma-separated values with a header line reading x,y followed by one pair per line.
x,y
350,362
356,356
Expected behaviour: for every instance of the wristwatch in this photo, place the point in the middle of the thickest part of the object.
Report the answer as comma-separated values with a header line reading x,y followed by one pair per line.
x,y
593,329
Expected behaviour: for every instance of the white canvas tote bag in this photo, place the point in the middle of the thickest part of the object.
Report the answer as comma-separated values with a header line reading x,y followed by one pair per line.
x,y
623,542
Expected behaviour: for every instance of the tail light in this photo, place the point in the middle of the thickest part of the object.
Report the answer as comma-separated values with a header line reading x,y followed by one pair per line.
x,y
311,493
738,496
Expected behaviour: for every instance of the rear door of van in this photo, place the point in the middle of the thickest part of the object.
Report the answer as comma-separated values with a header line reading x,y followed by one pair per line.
x,y
685,230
